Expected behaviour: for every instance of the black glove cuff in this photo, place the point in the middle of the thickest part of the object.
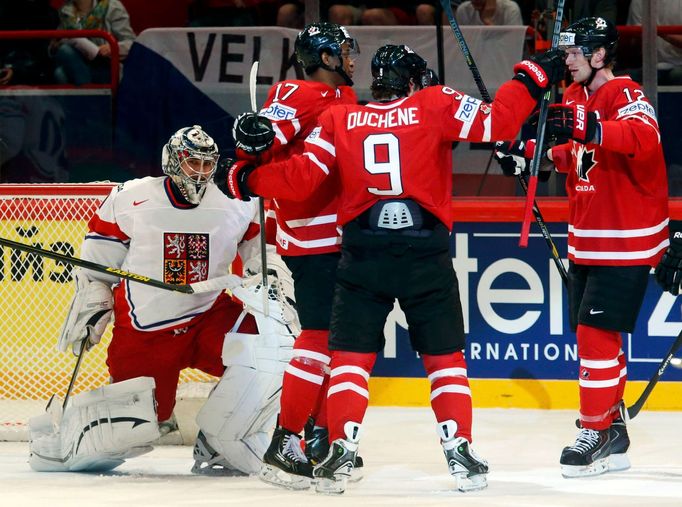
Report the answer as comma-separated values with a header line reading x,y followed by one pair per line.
x,y
534,90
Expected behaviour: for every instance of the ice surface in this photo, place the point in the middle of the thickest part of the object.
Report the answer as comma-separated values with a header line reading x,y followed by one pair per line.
x,y
404,466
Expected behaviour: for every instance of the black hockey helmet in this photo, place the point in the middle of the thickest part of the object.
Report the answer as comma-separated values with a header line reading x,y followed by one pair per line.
x,y
393,67
589,34
318,38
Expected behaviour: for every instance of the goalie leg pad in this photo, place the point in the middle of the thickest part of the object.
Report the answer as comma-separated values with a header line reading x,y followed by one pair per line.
x,y
98,431
242,408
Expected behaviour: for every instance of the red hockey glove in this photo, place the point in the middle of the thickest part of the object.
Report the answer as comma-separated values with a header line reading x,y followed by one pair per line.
x,y
541,71
572,121
669,271
231,177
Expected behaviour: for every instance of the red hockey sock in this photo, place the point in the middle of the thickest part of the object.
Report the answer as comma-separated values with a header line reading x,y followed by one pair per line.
x,y
450,393
623,378
599,377
304,378
319,413
348,390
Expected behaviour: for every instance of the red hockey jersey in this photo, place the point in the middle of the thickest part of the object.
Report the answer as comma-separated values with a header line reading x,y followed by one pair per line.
x,y
303,227
618,191
394,150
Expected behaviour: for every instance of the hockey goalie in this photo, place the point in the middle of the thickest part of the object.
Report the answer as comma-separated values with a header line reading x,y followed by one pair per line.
x,y
181,229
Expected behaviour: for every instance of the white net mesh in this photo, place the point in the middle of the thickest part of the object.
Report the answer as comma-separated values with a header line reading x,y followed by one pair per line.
x,y
34,296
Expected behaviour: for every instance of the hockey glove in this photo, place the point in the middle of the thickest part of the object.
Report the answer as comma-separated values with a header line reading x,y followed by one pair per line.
x,y
515,158
541,71
88,315
669,271
253,133
231,176
572,122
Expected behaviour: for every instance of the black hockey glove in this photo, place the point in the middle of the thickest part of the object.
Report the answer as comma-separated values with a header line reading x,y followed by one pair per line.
x,y
253,133
515,158
541,71
669,271
572,122
430,78
231,177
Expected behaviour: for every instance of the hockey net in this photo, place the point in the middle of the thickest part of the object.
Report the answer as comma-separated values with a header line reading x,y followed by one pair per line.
x,y
35,293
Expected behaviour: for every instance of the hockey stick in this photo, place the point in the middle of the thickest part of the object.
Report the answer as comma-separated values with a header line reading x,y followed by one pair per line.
x,y
253,75
539,138
632,411
84,344
486,96
220,283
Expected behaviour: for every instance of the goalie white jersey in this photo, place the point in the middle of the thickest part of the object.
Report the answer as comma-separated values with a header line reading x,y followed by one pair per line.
x,y
144,226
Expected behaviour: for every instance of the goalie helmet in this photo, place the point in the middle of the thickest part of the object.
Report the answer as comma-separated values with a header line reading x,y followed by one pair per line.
x,y
590,34
318,38
394,66
190,143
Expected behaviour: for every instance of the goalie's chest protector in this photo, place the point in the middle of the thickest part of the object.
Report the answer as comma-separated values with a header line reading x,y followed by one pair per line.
x,y
176,243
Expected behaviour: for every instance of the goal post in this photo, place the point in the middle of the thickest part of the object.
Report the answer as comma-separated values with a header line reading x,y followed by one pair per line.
x,y
34,296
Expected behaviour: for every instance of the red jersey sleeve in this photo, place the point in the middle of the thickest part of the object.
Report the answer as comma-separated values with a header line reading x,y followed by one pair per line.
x,y
631,127
297,177
470,119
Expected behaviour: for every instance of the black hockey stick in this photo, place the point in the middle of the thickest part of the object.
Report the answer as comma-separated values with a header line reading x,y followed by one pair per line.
x,y
632,411
220,283
486,96
539,138
83,348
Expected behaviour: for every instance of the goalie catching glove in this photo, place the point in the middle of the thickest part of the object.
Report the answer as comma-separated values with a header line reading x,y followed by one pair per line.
x,y
231,177
253,133
88,315
669,271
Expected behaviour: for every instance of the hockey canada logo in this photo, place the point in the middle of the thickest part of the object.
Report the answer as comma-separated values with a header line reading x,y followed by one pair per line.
x,y
185,257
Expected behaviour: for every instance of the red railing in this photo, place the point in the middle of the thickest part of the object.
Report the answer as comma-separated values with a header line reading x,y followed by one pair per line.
x,y
70,34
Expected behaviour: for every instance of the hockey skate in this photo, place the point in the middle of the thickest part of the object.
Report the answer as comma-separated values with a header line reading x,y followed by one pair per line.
x,y
469,470
620,442
207,461
588,456
284,463
335,470
317,448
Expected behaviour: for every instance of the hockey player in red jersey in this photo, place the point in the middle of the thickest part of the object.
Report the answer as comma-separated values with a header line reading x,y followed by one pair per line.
x,y
307,239
393,159
613,156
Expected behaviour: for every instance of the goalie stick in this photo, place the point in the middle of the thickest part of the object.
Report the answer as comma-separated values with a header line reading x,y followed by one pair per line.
x,y
447,8
219,283
81,353
539,138
253,76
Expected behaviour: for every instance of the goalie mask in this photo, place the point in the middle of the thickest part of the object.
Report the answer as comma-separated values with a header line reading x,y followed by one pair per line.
x,y
395,67
318,38
190,159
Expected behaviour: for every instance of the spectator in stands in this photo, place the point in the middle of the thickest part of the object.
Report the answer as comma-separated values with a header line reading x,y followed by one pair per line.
x,y
354,12
669,46
489,12
425,12
83,60
24,61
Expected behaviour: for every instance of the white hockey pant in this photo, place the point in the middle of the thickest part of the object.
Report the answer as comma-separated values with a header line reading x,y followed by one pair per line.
x,y
99,429
241,409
